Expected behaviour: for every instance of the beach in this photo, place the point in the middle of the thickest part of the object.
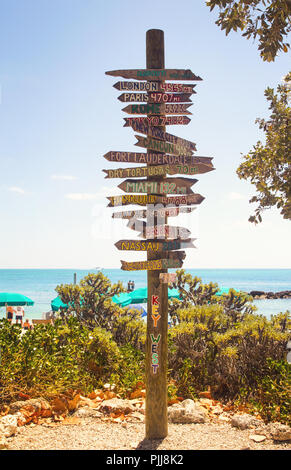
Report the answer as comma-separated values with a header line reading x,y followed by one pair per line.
x,y
40,284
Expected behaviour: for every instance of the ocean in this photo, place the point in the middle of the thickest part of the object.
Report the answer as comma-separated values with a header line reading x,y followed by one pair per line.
x,y
40,284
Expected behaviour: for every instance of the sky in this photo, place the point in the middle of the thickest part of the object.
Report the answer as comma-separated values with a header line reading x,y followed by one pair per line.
x,y
59,114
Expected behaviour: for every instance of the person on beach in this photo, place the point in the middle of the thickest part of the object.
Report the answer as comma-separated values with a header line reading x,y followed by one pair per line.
x,y
19,314
9,313
27,325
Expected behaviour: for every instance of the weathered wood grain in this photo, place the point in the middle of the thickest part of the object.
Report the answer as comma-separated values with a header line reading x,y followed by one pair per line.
x,y
155,74
157,108
154,86
159,120
177,185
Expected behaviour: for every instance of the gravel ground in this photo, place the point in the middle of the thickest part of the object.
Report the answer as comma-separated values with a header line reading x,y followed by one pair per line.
x,y
93,434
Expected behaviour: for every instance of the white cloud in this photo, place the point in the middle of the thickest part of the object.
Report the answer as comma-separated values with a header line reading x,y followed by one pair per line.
x,y
233,196
16,189
63,177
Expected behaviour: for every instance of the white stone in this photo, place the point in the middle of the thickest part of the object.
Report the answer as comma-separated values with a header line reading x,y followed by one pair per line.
x,y
8,425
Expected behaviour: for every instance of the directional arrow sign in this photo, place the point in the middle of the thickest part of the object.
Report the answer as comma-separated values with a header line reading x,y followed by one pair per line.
x,y
157,264
182,200
154,245
154,86
144,213
155,158
158,133
162,146
167,186
159,170
157,108
162,231
141,200
155,97
158,120
155,74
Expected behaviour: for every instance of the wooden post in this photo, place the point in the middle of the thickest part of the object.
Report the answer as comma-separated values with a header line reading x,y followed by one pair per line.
x,y
156,422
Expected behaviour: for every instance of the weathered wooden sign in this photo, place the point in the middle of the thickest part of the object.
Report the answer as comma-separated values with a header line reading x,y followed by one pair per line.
x,y
155,158
154,245
158,133
157,108
140,199
147,213
182,200
154,86
164,231
155,97
159,170
158,120
162,146
158,231
167,186
167,278
153,265
155,74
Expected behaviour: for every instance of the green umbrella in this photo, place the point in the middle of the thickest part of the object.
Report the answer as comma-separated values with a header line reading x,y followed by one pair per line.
x,y
139,296
56,304
11,299
122,299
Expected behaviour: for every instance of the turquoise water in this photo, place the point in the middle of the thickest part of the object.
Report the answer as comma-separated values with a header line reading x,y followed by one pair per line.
x,y
40,284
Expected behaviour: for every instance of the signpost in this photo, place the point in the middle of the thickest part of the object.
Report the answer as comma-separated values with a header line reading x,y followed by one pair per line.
x,y
167,186
158,120
157,108
161,212
160,104
153,158
159,170
154,86
155,74
155,97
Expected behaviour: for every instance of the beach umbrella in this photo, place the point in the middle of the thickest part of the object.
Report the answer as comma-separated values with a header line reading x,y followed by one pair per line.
x,y
140,296
13,300
56,304
122,299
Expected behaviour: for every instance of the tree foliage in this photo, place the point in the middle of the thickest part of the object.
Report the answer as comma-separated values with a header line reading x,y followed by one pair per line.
x,y
267,20
193,292
268,166
91,302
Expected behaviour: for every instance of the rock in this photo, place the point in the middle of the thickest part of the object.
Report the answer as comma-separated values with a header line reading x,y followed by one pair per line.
x,y
8,425
39,404
257,437
87,412
279,431
116,405
254,293
3,443
244,421
187,412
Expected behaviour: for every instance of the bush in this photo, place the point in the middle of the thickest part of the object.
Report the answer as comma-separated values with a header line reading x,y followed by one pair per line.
x,y
51,358
209,348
